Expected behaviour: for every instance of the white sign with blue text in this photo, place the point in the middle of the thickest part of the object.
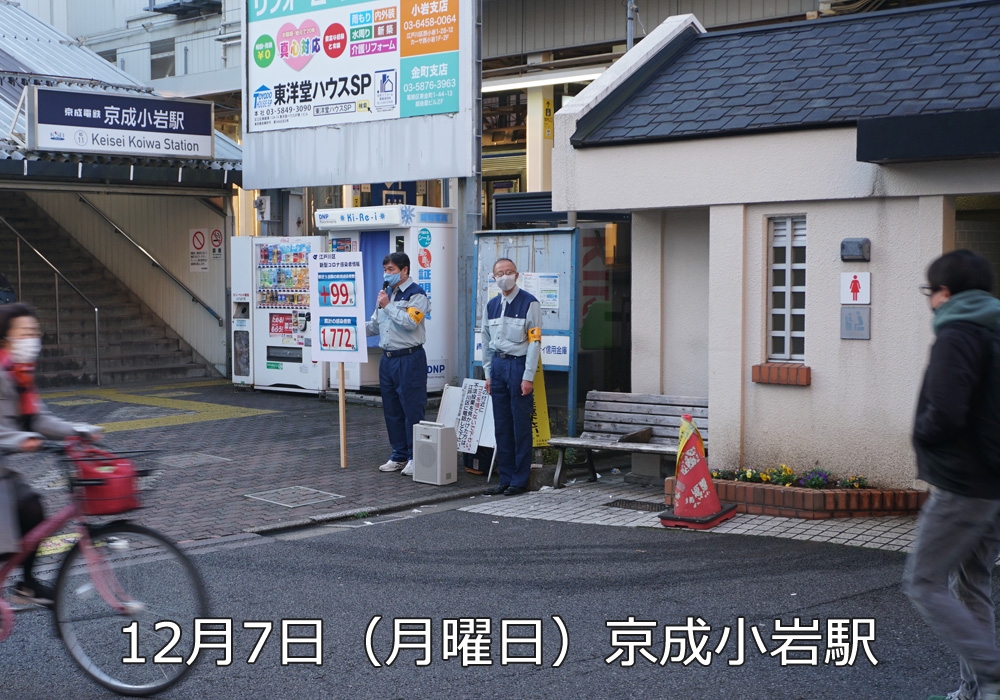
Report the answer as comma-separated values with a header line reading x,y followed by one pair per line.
x,y
338,307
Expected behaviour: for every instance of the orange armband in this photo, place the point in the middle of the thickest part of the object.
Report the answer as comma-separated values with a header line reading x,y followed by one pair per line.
x,y
534,334
416,315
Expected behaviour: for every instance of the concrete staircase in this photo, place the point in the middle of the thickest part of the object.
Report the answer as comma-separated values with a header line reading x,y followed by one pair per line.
x,y
136,345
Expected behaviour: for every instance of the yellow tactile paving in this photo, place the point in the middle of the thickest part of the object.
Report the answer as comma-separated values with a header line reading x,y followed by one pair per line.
x,y
194,411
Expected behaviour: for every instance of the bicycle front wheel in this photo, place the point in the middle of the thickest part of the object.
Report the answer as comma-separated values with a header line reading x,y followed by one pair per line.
x,y
111,601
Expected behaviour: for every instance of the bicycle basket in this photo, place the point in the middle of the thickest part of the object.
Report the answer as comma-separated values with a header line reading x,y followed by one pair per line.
x,y
108,484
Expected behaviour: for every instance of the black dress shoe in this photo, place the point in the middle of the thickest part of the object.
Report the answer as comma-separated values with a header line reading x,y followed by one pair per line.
x,y
514,490
496,490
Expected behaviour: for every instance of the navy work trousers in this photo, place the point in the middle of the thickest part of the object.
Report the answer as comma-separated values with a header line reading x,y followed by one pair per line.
x,y
511,420
403,381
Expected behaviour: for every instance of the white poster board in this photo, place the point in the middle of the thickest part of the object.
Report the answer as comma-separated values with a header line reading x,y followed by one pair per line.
x,y
469,410
337,305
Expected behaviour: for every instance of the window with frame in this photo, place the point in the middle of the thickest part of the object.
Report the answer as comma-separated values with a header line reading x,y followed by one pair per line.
x,y
161,59
787,292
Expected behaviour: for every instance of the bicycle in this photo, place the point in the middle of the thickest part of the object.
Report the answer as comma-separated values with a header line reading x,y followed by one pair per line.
x,y
123,591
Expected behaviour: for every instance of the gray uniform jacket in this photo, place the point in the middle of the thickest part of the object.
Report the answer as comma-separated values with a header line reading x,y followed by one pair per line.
x,y
45,426
400,324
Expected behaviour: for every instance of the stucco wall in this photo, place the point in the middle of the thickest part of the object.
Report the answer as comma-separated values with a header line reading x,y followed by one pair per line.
x,y
857,414
684,332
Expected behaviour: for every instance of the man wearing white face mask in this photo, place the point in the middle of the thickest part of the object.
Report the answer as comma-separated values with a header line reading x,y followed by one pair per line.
x,y
398,320
24,422
512,344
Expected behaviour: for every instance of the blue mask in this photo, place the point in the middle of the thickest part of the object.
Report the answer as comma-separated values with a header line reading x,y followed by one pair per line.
x,y
391,279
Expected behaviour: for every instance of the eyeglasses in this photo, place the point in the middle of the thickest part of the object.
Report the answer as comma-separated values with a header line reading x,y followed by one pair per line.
x,y
929,290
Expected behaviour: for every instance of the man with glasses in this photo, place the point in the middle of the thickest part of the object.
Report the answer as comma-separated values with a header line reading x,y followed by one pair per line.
x,y
956,436
512,345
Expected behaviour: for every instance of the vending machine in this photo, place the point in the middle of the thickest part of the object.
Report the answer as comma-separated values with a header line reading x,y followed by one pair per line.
x,y
428,236
271,317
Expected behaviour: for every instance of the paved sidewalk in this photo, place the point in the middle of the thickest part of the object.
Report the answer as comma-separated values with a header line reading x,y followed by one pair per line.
x,y
235,461
219,446
589,503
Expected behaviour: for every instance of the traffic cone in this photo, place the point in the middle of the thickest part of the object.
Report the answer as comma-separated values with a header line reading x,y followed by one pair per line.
x,y
696,505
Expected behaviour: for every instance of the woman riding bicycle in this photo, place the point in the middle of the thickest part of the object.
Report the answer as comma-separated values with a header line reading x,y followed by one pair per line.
x,y
24,423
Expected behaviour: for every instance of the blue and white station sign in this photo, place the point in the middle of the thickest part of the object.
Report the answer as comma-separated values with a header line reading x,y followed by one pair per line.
x,y
116,124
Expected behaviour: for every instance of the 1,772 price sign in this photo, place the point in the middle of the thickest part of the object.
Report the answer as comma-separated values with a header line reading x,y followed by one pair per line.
x,y
338,333
338,307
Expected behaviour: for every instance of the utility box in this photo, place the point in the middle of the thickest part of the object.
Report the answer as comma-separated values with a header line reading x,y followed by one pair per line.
x,y
435,454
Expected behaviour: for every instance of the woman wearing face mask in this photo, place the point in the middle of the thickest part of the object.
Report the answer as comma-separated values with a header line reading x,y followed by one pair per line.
x,y
24,423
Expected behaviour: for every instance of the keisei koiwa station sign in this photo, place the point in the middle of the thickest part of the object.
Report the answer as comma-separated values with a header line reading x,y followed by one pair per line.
x,y
116,124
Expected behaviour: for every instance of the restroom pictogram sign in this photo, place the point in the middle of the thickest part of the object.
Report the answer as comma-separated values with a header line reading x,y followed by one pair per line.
x,y
855,288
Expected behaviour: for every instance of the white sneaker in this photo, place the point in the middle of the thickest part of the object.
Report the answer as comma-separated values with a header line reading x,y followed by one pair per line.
x,y
392,466
408,469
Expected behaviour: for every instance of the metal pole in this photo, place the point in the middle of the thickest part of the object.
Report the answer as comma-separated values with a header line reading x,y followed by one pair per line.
x,y
20,294
97,343
58,327
630,25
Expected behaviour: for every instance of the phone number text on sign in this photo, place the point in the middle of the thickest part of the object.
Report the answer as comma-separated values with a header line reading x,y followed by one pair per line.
x,y
338,333
336,289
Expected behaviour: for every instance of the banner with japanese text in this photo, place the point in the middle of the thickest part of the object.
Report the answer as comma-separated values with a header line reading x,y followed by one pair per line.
x,y
327,62
337,307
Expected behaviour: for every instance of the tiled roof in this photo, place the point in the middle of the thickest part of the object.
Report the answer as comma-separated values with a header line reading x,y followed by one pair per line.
x,y
829,72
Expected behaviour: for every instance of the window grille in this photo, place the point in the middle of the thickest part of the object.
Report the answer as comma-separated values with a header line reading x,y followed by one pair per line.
x,y
787,289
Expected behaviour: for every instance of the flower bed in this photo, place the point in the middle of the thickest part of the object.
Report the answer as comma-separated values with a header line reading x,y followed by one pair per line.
x,y
811,503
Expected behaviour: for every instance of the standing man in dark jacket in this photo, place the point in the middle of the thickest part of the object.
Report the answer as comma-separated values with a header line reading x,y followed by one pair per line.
x,y
956,436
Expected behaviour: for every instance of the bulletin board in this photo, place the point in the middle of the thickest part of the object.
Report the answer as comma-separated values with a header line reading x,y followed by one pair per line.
x,y
546,260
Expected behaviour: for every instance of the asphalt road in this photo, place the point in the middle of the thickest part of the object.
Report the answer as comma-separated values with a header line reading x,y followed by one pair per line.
x,y
451,565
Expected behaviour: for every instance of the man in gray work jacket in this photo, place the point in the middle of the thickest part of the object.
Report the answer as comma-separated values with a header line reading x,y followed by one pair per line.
x,y
512,345
398,320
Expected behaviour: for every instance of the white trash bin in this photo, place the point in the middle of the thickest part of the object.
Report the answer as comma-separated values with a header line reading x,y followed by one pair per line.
x,y
435,453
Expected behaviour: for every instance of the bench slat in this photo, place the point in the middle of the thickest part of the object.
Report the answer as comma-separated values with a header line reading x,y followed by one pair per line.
x,y
614,431
639,419
646,398
647,408
650,448
617,423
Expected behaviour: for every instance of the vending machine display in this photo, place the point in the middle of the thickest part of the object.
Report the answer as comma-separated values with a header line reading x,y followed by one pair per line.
x,y
428,236
271,296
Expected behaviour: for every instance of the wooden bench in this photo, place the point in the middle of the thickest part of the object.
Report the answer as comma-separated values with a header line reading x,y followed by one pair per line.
x,y
643,423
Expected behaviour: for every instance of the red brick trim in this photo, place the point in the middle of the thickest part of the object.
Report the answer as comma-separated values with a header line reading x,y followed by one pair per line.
x,y
787,373
812,504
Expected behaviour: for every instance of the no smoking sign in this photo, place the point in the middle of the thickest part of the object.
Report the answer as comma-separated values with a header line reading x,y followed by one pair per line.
x,y
216,244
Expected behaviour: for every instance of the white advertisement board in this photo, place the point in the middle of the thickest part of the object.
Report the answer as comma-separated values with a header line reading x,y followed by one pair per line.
x,y
338,307
379,90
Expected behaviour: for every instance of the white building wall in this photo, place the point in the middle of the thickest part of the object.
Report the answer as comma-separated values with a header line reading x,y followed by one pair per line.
x,y
161,225
857,414
685,286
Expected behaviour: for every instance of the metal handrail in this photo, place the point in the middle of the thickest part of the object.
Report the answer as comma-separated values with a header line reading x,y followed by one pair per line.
x,y
156,263
58,275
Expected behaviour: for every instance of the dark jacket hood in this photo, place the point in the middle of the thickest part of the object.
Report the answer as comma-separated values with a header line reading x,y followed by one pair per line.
x,y
972,306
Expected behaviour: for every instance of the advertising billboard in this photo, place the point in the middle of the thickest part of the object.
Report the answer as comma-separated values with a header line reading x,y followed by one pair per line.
x,y
377,90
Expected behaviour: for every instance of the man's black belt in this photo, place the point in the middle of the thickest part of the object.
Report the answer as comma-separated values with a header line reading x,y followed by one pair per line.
x,y
507,355
401,353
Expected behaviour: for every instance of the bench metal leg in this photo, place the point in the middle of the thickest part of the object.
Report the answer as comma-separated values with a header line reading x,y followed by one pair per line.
x,y
559,466
591,467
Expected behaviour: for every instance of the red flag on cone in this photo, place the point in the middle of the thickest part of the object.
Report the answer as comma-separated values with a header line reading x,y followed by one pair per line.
x,y
696,505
